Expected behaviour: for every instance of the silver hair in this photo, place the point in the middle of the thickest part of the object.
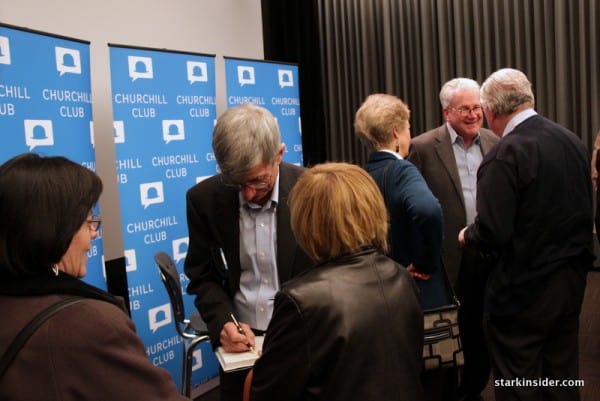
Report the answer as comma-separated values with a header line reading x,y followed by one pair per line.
x,y
454,86
244,137
505,91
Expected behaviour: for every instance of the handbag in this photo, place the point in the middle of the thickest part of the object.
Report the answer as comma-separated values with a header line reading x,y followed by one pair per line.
x,y
442,346
21,338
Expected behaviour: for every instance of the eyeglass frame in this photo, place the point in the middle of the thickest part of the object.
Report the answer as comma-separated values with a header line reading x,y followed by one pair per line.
x,y
259,183
94,222
465,111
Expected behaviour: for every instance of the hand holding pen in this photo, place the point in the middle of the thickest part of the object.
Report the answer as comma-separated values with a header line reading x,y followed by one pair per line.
x,y
237,337
240,330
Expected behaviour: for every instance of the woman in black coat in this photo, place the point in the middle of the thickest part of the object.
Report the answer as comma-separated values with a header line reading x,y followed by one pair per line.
x,y
351,328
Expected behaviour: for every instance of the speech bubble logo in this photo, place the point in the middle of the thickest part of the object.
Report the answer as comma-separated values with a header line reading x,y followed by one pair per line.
x,y
286,78
130,260
140,67
173,130
159,317
151,193
245,75
38,133
197,71
197,355
119,131
4,50
180,247
68,61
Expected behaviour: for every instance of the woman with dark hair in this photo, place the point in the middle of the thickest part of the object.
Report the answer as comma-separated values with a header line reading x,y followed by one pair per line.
x,y
351,328
88,350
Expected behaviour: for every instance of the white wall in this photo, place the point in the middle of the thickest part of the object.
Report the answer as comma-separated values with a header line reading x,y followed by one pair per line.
x,y
221,27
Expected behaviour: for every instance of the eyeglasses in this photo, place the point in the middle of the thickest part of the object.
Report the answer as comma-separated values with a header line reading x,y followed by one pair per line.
x,y
259,183
94,223
465,111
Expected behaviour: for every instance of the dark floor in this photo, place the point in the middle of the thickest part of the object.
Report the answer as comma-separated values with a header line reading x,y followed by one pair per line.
x,y
589,339
589,346
212,395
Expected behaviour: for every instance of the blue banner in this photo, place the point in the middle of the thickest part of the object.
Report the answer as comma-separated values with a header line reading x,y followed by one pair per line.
x,y
46,107
164,111
275,87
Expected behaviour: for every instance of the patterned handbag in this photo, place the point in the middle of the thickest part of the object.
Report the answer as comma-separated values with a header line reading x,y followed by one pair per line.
x,y
442,347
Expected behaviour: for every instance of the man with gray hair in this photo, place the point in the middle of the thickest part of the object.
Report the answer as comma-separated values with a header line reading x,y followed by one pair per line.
x,y
448,158
535,216
241,246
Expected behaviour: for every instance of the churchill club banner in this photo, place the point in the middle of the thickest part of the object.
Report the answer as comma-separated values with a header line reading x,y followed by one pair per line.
x,y
164,111
46,107
273,86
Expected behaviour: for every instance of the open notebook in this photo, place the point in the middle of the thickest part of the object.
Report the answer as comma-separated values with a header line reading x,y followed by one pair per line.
x,y
238,360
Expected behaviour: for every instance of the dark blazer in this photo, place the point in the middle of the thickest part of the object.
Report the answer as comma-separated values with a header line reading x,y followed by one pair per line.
x,y
87,351
415,222
432,153
534,204
350,329
213,222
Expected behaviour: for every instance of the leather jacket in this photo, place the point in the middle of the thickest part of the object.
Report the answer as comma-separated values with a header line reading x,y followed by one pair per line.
x,y
348,329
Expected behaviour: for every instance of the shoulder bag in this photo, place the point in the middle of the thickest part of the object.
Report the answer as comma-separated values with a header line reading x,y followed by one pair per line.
x,y
442,347
32,326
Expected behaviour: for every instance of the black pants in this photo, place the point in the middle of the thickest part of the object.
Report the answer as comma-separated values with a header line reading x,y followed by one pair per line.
x,y
231,384
470,290
540,342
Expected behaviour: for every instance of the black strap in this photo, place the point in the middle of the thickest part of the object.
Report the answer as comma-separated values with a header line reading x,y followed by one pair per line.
x,y
30,328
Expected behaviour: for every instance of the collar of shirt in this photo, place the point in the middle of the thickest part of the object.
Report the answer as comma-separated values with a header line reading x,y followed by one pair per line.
x,y
518,119
270,205
454,136
392,152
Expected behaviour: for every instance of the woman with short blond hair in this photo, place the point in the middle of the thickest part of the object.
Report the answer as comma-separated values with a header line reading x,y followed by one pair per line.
x,y
416,224
351,328
324,212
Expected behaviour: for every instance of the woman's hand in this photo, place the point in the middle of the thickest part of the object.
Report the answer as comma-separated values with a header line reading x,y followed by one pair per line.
x,y
417,274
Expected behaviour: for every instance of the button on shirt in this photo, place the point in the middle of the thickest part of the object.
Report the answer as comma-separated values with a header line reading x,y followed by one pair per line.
x,y
258,259
467,162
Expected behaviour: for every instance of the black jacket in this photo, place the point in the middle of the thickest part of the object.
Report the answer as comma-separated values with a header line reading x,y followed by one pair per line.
x,y
349,329
534,212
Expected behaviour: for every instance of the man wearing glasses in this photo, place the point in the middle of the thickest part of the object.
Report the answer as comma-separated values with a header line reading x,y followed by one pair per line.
x,y
241,246
448,158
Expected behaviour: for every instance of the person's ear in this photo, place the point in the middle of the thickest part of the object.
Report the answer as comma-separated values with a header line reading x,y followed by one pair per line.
x,y
280,153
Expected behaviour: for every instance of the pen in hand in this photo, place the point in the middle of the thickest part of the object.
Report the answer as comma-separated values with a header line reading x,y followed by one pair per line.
x,y
240,330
